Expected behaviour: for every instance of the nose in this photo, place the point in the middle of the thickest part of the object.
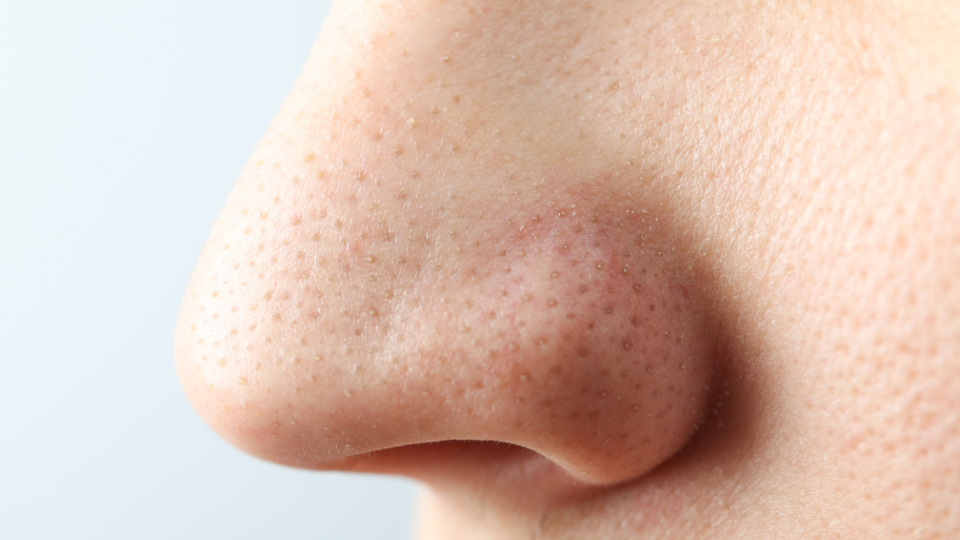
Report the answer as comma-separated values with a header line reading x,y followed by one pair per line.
x,y
398,267
324,326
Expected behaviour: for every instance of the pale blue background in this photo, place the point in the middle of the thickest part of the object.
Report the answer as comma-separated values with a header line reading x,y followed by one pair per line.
x,y
122,126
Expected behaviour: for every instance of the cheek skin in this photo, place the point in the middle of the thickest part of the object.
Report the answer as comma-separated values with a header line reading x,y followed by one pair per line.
x,y
564,322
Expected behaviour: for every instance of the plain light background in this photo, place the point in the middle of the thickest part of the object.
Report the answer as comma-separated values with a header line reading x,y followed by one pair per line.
x,y
123,124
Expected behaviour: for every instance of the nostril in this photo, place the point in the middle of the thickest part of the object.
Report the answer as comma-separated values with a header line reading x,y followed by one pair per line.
x,y
492,466
449,455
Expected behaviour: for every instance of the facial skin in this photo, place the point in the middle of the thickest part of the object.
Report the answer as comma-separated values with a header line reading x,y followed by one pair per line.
x,y
609,269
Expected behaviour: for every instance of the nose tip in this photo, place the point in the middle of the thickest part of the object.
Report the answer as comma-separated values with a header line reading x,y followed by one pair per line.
x,y
570,328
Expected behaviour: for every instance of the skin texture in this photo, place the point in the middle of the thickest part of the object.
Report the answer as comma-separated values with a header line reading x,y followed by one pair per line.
x,y
605,269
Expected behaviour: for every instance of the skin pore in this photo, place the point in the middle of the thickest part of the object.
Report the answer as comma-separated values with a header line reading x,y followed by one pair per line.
x,y
608,269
